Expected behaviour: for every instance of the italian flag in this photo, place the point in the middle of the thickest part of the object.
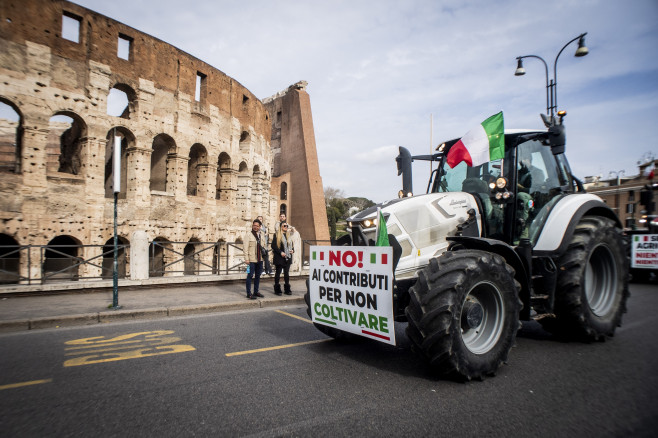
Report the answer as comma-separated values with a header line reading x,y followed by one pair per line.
x,y
480,145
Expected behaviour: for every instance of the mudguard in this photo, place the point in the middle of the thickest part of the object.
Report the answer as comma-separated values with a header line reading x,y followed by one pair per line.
x,y
565,215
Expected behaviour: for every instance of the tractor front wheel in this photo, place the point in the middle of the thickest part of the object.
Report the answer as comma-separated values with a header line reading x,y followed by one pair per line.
x,y
464,313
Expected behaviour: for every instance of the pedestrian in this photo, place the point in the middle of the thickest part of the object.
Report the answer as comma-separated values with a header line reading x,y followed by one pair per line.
x,y
282,251
253,258
265,245
282,219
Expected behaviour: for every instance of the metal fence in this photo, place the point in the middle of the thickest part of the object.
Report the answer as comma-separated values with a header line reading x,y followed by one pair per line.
x,y
33,264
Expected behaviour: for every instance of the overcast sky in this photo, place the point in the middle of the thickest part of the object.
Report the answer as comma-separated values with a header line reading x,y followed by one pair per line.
x,y
378,71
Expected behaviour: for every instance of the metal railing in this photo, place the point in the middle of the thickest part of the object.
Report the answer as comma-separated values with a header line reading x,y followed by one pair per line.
x,y
163,258
56,263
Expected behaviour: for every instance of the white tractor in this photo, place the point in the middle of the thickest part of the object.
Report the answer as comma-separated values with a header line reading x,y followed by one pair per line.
x,y
514,239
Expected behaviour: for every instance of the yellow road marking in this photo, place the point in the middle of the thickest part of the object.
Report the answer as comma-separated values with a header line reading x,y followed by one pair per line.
x,y
295,316
134,354
129,346
21,384
278,347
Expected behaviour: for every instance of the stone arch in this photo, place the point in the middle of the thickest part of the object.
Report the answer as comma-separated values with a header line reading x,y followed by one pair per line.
x,y
66,130
192,264
121,101
11,136
196,169
163,146
61,259
108,258
219,256
225,177
126,139
160,251
243,168
10,259
245,141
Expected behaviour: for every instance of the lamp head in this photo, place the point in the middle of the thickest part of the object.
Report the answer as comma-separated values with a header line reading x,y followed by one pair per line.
x,y
582,49
520,71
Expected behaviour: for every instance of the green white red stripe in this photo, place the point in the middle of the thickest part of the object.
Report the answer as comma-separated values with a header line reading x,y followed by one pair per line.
x,y
480,145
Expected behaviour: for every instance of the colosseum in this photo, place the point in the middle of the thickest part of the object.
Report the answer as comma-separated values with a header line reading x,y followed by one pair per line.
x,y
83,96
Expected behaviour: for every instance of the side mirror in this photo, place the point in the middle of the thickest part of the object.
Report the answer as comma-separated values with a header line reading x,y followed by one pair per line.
x,y
557,138
404,168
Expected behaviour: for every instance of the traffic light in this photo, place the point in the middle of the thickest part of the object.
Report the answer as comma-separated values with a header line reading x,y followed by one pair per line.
x,y
646,198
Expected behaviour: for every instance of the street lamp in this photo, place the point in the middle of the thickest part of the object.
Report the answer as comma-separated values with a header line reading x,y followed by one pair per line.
x,y
551,84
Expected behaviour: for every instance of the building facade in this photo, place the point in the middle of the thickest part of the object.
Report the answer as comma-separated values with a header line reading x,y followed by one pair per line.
x,y
195,155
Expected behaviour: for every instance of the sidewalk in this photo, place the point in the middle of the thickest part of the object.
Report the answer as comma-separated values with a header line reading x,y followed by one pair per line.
x,y
78,307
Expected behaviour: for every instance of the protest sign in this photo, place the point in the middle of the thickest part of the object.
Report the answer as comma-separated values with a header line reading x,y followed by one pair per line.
x,y
644,251
351,289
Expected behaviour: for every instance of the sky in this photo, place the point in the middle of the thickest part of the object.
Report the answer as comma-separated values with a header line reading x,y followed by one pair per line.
x,y
414,73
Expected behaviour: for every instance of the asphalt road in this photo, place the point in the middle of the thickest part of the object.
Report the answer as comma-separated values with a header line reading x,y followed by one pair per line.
x,y
269,372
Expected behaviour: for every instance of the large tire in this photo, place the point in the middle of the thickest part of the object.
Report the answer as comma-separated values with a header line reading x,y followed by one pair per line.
x,y
592,284
338,335
464,313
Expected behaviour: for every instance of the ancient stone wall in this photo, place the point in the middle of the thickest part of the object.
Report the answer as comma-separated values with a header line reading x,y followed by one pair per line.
x,y
195,144
296,170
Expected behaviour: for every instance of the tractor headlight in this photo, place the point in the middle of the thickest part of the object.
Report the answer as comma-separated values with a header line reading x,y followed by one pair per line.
x,y
369,223
501,183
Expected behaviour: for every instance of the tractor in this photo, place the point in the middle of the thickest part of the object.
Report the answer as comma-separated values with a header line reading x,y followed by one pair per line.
x,y
487,247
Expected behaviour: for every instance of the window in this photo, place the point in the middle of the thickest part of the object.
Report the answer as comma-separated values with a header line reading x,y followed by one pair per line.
x,y
630,208
200,89
117,104
631,196
71,27
124,45
284,191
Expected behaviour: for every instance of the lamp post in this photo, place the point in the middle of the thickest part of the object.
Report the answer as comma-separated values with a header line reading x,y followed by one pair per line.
x,y
551,84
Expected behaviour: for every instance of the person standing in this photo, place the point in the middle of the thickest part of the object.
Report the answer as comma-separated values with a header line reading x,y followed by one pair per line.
x,y
282,219
282,251
253,258
265,241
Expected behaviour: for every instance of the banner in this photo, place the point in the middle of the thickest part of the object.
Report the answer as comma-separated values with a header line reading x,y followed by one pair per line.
x,y
644,251
351,289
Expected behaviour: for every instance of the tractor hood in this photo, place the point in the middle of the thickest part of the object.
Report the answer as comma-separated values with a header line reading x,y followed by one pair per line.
x,y
420,224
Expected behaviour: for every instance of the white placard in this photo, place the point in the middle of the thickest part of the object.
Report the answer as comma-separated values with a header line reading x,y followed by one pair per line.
x,y
644,251
351,289
116,164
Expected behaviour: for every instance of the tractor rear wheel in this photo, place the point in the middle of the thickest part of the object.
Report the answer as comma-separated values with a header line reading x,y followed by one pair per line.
x,y
464,313
592,286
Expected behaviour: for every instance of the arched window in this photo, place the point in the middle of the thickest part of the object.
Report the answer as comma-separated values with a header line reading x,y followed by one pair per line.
x,y
191,264
66,131
198,156
10,137
157,256
223,176
245,141
284,191
62,259
121,101
108,258
163,145
283,209
9,260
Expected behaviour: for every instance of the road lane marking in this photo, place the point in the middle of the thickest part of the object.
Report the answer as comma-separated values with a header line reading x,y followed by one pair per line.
x,y
123,347
21,384
278,347
295,316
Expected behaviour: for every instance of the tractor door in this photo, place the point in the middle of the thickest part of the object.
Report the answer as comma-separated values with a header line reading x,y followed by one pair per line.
x,y
541,180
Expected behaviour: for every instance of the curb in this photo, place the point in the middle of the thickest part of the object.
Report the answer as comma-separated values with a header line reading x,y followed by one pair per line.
x,y
140,314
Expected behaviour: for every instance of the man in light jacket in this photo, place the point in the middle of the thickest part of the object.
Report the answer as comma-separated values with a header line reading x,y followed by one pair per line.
x,y
253,258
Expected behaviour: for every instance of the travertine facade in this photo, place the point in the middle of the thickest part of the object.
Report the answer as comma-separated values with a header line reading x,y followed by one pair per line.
x,y
195,144
296,171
